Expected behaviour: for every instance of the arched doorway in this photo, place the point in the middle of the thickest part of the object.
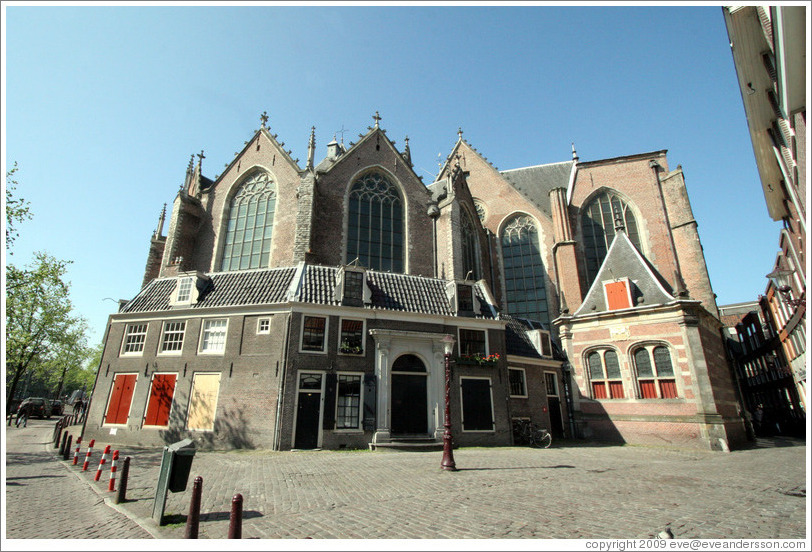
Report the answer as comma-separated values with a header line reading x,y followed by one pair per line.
x,y
409,396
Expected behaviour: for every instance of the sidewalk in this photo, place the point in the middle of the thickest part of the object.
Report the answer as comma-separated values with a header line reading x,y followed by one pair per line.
x,y
573,490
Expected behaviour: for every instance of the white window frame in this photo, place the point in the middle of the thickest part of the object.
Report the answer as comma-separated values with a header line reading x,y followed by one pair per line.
x,y
462,407
203,333
176,299
260,330
161,351
557,385
363,335
128,334
524,382
459,339
359,427
323,350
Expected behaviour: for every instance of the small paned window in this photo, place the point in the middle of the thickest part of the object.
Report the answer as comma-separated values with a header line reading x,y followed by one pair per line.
x,y
172,338
465,298
655,380
472,343
134,337
352,337
313,333
517,382
264,326
214,336
185,290
348,403
353,287
604,375
551,382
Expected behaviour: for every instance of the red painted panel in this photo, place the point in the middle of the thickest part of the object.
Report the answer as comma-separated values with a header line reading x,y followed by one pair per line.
x,y
121,397
668,389
616,389
648,390
599,390
160,400
617,295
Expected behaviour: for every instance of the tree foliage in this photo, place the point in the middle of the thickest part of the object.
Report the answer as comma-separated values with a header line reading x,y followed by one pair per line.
x,y
17,209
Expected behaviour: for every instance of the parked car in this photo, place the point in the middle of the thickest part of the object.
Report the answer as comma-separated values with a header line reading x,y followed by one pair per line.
x,y
39,407
57,408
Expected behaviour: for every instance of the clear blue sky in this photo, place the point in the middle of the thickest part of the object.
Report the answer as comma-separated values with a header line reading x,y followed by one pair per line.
x,y
105,104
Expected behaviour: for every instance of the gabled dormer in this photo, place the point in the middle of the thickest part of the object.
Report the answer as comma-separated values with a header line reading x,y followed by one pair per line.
x,y
625,280
462,299
189,289
351,287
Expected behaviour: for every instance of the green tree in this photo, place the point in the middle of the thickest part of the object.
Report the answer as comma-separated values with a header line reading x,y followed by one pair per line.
x,y
17,209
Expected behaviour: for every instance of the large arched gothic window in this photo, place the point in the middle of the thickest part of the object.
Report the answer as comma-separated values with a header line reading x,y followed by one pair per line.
x,y
524,270
250,224
375,224
598,224
470,246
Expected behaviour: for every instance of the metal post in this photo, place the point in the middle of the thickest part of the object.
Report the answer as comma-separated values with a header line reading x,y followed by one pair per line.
x,y
121,496
66,448
448,454
235,521
64,440
193,520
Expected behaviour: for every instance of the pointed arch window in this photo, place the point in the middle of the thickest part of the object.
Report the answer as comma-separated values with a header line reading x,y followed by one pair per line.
x,y
470,246
250,224
524,270
375,223
598,227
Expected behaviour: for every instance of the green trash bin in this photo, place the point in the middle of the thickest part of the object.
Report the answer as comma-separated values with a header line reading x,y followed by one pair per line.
x,y
183,452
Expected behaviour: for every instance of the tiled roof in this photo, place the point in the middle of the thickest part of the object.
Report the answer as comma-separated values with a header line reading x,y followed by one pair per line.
x,y
396,292
248,287
517,341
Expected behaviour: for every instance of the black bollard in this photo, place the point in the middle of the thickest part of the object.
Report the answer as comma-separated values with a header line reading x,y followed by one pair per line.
x,y
66,449
235,521
57,430
64,440
121,495
193,519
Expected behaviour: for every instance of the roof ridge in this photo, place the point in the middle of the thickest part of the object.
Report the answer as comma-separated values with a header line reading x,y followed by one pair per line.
x,y
537,166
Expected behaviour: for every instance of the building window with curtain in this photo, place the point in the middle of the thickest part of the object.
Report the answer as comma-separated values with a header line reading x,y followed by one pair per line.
x,y
250,224
598,228
604,375
375,224
524,270
655,373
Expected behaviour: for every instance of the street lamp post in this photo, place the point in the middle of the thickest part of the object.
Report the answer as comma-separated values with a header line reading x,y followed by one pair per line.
x,y
448,454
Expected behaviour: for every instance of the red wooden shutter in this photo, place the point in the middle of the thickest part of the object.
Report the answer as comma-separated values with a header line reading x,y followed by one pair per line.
x,y
617,295
120,399
160,400
599,390
648,390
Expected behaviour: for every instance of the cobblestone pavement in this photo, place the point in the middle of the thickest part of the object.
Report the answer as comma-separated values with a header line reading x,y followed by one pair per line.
x,y
44,500
570,491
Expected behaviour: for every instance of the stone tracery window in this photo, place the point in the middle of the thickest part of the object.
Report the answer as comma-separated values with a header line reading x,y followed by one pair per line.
x,y
375,223
524,270
470,246
250,224
598,227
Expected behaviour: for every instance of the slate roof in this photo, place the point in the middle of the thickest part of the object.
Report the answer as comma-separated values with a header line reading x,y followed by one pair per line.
x,y
535,183
395,292
624,260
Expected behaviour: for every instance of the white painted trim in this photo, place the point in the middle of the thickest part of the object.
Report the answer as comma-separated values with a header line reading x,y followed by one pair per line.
x,y
261,319
299,390
324,347
524,382
200,350
121,352
363,336
459,339
360,427
161,339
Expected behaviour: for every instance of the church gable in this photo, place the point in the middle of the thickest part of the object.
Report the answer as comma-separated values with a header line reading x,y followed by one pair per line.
x,y
625,280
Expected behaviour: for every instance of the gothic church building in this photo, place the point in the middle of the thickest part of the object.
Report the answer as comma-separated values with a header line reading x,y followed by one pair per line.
x,y
301,308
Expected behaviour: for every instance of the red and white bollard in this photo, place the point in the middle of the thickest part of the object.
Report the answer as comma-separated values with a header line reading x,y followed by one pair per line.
x,y
89,452
101,462
112,486
76,452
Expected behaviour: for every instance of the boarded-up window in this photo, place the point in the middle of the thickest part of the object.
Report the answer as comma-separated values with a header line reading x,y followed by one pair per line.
x,y
160,400
203,401
121,395
477,407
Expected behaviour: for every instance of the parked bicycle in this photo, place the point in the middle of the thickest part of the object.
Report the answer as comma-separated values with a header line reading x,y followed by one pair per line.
x,y
527,433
